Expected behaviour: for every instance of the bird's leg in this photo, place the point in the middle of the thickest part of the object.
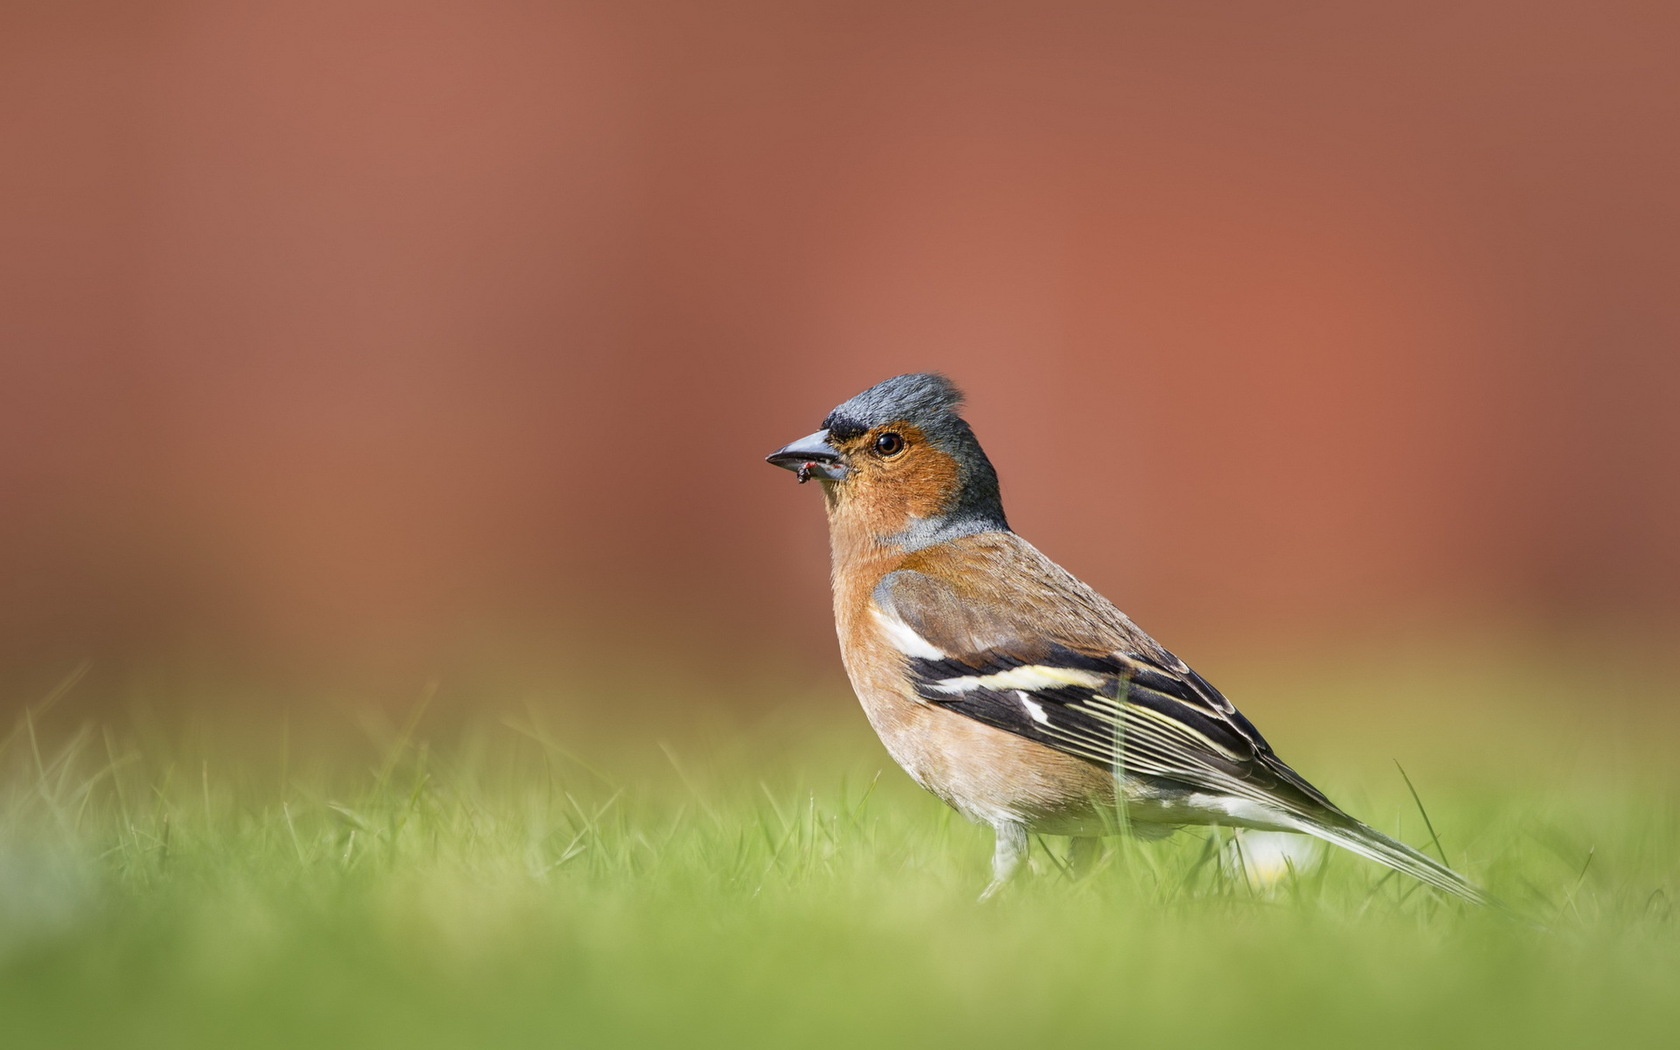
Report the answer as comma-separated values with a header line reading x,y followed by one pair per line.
x,y
1007,857
1083,852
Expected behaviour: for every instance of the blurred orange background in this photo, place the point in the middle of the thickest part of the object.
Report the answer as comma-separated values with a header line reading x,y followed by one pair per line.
x,y
348,344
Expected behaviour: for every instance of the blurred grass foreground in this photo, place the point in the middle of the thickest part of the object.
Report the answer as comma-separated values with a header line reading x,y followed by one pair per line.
x,y
500,881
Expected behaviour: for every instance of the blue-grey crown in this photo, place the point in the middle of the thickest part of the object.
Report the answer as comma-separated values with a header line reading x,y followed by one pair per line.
x,y
923,398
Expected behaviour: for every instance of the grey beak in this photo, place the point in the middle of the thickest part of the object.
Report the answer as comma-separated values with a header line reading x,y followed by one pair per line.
x,y
810,457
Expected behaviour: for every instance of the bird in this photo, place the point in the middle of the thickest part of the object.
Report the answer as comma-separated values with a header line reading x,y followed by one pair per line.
x,y
1010,689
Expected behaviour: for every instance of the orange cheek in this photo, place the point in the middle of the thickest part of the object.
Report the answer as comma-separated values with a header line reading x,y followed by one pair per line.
x,y
885,497
926,483
882,497
920,483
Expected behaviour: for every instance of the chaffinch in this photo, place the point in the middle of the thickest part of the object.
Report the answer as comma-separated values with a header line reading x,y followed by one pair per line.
x,y
1007,687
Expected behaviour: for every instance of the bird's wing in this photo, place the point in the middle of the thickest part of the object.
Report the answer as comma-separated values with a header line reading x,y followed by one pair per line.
x,y
1054,662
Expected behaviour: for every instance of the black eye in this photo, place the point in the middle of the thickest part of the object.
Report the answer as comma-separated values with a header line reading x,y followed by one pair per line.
x,y
889,444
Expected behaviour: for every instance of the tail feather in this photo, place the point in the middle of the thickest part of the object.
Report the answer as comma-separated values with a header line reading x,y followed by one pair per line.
x,y
1372,844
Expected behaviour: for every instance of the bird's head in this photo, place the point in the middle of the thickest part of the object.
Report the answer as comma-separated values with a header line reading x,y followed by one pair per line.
x,y
898,462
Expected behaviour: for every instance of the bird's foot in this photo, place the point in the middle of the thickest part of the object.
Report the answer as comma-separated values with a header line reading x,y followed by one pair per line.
x,y
1007,856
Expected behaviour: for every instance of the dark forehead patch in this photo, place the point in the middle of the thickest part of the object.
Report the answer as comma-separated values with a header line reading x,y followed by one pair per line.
x,y
842,428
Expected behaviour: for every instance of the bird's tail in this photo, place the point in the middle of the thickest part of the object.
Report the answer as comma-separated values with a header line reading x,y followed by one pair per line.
x,y
1339,829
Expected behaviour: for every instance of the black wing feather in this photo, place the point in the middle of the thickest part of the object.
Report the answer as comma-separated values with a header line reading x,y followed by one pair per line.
x,y
1145,719
1132,705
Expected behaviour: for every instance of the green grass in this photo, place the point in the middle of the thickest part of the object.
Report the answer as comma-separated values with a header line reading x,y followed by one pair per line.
x,y
499,883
